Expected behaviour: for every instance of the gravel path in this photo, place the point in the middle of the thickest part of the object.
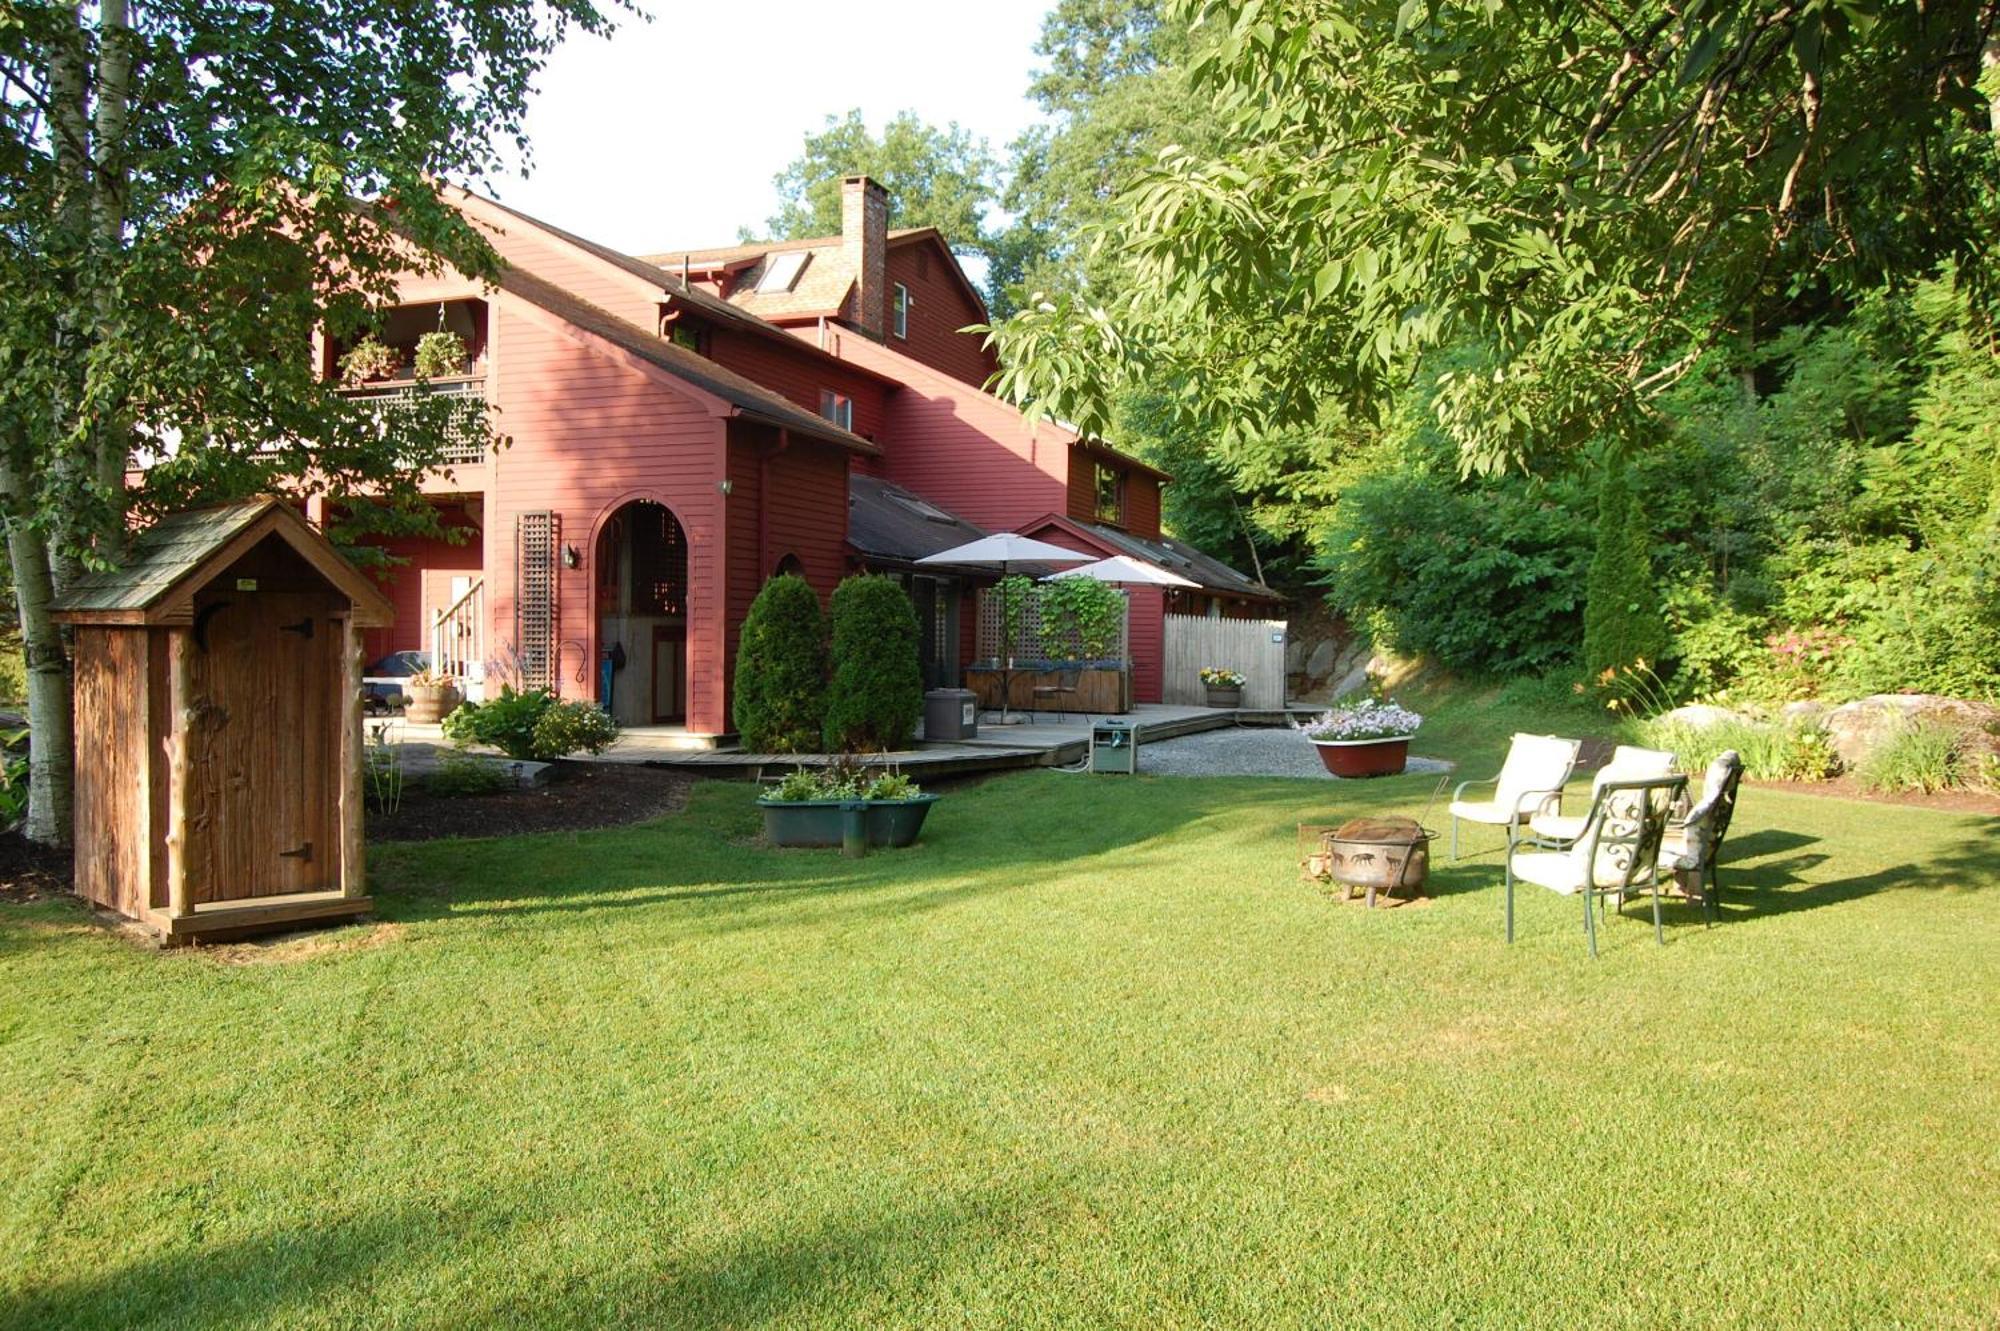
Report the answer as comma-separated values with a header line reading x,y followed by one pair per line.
x,y
1249,751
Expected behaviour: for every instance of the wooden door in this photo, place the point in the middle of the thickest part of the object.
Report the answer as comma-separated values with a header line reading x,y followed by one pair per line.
x,y
669,673
265,679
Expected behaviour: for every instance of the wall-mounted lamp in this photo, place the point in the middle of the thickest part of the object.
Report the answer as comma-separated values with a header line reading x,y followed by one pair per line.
x,y
724,487
572,557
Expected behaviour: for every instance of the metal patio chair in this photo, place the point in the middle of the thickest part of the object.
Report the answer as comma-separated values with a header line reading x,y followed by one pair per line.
x,y
1693,844
1530,782
1618,854
1628,763
1069,684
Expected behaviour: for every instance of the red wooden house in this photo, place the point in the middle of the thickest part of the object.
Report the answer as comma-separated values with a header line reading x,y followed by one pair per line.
x,y
683,427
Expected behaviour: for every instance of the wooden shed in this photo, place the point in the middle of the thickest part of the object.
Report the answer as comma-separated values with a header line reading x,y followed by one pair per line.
x,y
218,724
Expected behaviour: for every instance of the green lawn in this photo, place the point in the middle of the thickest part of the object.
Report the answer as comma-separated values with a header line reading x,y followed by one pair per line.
x,y
1090,1055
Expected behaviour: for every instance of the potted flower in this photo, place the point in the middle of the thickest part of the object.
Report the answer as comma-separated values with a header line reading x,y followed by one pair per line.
x,y
1225,686
440,353
808,807
370,358
1367,737
429,697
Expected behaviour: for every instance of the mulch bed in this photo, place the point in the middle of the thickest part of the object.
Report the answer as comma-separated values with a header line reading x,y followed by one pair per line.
x,y
578,796
29,872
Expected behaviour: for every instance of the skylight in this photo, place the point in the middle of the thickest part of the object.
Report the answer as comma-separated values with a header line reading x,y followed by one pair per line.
x,y
781,271
930,511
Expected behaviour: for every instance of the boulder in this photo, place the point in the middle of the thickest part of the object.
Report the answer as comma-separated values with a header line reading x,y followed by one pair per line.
x,y
1701,715
1809,710
1319,662
1857,727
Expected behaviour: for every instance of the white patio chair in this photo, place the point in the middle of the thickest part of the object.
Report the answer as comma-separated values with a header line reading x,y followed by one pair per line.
x,y
1530,781
1628,763
1617,856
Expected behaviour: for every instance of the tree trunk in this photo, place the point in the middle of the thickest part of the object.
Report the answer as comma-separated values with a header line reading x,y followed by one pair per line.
x,y
51,723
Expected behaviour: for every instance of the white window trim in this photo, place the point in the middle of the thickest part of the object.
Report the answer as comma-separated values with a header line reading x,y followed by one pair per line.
x,y
900,311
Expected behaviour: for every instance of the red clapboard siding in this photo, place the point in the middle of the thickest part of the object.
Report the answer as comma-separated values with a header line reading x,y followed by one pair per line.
x,y
591,433
1141,494
800,375
1142,505
939,307
961,448
801,491
605,285
404,583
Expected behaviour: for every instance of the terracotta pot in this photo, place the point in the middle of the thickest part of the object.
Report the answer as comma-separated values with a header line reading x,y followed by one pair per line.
x,y
1364,757
1221,695
428,704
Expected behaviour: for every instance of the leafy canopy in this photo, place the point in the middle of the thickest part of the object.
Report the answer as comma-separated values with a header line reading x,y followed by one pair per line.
x,y
944,178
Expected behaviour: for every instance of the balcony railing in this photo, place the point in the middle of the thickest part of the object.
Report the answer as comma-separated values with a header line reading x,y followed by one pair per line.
x,y
466,438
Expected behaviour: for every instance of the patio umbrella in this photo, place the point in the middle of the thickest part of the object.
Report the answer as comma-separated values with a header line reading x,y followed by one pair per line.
x,y
1125,571
1006,549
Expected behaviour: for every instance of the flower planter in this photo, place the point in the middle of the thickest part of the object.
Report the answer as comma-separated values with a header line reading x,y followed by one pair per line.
x,y
1221,696
1364,757
891,823
428,704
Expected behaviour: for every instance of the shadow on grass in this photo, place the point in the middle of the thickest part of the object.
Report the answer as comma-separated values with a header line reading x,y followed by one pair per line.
x,y
1786,884
351,1267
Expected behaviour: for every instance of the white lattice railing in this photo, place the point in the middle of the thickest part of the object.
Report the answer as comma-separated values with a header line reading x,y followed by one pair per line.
x,y
466,436
458,636
1029,642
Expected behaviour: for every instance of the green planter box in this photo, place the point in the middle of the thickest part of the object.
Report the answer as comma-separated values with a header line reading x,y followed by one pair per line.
x,y
891,823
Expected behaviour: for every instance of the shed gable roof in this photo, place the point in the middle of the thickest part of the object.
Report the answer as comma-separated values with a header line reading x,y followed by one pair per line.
x,y
182,552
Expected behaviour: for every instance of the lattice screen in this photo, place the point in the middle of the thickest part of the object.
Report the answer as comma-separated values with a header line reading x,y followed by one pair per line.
x,y
1029,643
537,551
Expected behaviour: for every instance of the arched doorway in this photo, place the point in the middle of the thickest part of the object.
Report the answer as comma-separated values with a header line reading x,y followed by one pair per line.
x,y
642,615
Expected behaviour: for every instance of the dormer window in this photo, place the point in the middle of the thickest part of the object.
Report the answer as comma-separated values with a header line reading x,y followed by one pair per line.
x,y
837,407
781,272
1110,494
900,311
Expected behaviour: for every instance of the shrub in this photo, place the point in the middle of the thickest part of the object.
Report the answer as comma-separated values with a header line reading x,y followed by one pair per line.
x,y
442,352
878,685
780,701
507,722
1622,620
1793,750
1083,612
569,727
462,774
370,358
1923,756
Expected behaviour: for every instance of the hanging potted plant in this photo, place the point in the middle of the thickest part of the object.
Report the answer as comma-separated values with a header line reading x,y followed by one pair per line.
x,y
429,697
440,353
370,358
1225,686
1368,737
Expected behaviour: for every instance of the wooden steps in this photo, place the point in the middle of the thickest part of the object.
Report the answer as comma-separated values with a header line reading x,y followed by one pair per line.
x,y
215,921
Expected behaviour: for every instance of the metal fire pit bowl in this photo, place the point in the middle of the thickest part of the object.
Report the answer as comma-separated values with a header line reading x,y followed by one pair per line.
x,y
1387,855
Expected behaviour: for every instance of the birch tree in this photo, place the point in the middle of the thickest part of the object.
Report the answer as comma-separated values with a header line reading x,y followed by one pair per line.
x,y
178,218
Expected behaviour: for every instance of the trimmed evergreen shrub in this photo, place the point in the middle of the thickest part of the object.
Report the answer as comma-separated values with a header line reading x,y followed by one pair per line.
x,y
1622,619
878,685
780,696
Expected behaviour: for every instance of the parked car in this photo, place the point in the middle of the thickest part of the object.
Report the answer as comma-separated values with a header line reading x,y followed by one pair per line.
x,y
384,681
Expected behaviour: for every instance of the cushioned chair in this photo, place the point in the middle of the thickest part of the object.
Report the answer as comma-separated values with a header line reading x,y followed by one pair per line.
x,y
1617,856
1692,845
1530,782
1628,763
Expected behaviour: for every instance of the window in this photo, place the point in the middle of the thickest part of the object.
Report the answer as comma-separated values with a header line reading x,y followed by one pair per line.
x,y
902,310
781,271
690,336
1110,494
837,407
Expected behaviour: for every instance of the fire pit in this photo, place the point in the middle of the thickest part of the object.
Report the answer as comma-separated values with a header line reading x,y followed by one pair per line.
x,y
1386,855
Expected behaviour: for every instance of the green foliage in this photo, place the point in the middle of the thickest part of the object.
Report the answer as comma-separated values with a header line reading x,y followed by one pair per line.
x,y
1083,611
944,178
780,695
1924,756
840,781
13,776
460,774
893,786
384,772
1013,593
441,352
1484,576
1622,621
877,692
573,727
1713,644
1789,750
13,669
506,723
370,358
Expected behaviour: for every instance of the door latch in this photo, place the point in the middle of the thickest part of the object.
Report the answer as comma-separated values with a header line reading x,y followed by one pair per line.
x,y
302,852
304,628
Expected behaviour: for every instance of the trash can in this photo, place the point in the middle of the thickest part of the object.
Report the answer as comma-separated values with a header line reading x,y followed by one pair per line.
x,y
951,714
1114,747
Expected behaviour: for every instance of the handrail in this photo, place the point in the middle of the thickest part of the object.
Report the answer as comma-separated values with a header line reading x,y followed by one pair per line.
x,y
458,633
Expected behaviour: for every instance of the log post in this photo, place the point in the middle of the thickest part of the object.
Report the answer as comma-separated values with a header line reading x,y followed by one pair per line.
x,y
353,820
180,739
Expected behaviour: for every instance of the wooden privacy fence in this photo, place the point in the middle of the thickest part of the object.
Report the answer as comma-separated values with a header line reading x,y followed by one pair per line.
x,y
1254,646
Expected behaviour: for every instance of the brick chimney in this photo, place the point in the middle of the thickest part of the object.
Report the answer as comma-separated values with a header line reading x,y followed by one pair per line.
x,y
864,244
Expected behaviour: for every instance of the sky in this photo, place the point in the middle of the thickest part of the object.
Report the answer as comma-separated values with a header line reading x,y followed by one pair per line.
x,y
668,133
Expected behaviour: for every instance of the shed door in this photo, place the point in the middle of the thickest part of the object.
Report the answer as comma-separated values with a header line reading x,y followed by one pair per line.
x,y
265,671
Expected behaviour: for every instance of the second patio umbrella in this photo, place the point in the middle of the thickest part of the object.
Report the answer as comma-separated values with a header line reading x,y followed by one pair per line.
x,y
1006,549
